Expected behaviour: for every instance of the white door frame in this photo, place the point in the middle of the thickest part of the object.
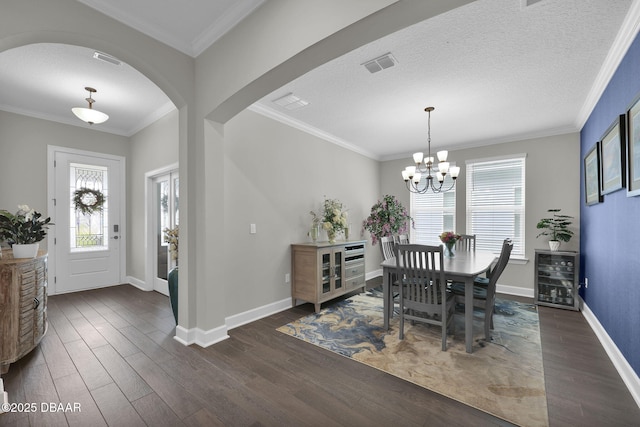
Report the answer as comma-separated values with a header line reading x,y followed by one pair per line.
x,y
150,232
51,188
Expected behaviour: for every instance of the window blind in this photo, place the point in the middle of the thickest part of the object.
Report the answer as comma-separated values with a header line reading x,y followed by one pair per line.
x,y
496,202
433,213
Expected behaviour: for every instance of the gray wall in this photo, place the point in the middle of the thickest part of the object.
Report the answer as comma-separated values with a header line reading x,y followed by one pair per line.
x,y
23,155
552,181
154,147
274,175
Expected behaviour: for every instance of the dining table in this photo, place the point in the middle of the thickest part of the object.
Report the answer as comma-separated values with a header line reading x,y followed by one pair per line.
x,y
465,266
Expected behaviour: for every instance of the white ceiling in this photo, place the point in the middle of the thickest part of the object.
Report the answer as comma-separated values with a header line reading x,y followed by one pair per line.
x,y
495,70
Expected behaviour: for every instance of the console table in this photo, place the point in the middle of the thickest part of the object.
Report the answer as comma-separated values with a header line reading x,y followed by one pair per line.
x,y
23,305
323,271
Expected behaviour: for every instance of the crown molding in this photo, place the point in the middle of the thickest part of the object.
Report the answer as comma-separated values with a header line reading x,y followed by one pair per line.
x,y
626,36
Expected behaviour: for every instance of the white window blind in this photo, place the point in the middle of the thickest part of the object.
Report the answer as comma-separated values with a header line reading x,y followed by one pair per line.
x,y
496,202
433,213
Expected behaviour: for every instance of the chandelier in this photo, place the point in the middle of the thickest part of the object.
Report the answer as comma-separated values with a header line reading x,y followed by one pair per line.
x,y
425,167
90,115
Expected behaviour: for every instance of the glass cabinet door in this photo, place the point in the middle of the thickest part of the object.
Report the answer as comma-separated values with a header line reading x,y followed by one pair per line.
x,y
327,273
337,269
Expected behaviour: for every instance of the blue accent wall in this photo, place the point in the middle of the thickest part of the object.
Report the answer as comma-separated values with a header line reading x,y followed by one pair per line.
x,y
610,231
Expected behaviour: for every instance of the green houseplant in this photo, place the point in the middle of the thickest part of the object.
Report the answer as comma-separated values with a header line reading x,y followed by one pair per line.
x,y
23,230
387,217
172,236
557,227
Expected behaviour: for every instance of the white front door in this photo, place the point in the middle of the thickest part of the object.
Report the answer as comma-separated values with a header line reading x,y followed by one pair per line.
x,y
87,244
165,215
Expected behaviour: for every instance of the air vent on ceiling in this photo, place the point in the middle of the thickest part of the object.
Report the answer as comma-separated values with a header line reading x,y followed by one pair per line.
x,y
106,58
380,63
526,3
290,102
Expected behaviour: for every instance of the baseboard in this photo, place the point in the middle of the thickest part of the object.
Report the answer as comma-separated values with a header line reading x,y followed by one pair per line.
x,y
514,290
258,313
373,274
140,284
625,370
199,336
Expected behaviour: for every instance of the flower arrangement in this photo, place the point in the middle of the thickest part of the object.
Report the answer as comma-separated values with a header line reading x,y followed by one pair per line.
x,y
387,217
333,217
449,237
24,227
171,237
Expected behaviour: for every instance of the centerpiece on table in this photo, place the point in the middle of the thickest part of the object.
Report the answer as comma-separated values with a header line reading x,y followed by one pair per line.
x,y
171,237
387,217
333,218
449,238
23,230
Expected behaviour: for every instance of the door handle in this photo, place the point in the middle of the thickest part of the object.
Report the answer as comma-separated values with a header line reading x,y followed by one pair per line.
x,y
115,237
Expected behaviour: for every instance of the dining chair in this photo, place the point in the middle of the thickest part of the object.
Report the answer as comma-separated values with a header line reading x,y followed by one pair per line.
x,y
485,296
467,242
402,239
387,244
423,289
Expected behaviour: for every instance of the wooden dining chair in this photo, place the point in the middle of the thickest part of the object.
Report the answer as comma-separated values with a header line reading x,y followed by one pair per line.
x,y
485,296
467,242
402,239
423,289
387,244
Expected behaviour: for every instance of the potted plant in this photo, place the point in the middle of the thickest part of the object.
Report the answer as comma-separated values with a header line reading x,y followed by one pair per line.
x,y
23,230
557,227
387,217
171,237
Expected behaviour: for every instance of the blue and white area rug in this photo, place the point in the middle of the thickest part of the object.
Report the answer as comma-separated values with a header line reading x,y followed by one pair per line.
x,y
504,377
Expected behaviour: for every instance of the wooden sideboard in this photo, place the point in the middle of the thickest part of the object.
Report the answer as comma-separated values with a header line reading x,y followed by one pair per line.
x,y
323,271
23,305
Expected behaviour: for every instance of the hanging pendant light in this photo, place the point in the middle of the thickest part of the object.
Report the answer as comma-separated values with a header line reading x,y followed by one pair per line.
x,y
419,179
90,115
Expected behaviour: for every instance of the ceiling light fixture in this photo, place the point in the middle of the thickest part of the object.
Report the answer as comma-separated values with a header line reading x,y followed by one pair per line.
x,y
413,175
90,115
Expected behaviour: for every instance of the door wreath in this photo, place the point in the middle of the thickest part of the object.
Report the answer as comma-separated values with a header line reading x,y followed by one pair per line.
x,y
88,201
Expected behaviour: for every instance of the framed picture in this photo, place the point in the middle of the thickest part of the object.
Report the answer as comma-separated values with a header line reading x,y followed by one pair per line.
x,y
633,149
592,176
612,157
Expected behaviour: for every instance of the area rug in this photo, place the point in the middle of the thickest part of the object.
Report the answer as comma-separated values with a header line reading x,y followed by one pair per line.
x,y
503,377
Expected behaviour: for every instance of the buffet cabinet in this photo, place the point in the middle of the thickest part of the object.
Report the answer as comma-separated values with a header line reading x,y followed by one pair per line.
x,y
323,271
23,305
556,283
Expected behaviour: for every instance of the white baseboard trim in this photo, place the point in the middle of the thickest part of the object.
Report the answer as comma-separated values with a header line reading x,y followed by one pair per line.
x,y
514,290
373,274
625,370
199,336
258,313
140,284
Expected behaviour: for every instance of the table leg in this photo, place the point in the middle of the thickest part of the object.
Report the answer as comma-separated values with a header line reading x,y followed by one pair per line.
x,y
386,290
468,313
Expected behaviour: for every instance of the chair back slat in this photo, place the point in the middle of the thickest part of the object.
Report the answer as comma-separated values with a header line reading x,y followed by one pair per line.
x,y
387,246
467,242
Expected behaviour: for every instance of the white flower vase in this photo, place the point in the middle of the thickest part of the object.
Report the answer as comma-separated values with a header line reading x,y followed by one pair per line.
x,y
554,245
25,250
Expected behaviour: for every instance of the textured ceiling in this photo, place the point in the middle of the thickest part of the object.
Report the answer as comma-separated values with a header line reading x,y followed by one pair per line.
x,y
495,71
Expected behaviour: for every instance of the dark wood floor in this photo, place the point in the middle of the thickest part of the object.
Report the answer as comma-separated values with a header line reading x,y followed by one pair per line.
x,y
111,351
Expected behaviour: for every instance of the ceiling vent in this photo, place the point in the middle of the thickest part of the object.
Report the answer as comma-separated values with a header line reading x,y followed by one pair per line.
x,y
526,3
106,58
380,63
290,102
